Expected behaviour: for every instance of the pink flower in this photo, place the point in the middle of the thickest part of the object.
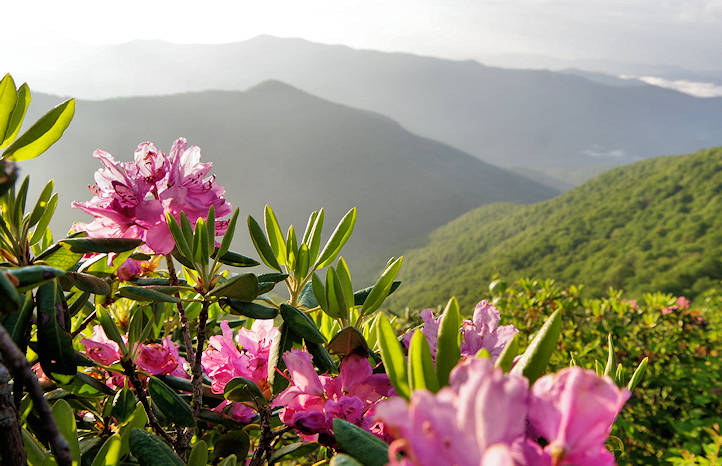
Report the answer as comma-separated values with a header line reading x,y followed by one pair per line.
x,y
430,330
131,198
161,359
311,402
129,269
574,410
482,414
682,302
100,348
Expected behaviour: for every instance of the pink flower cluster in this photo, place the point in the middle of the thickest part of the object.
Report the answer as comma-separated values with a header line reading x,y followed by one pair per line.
x,y
131,199
682,303
154,358
312,401
491,418
483,331
245,356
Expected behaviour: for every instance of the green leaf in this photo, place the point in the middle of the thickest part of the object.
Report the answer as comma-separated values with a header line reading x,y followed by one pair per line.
x,y
110,453
43,134
535,358
334,296
294,450
230,460
240,389
422,374
272,277
232,444
30,276
89,283
261,244
8,99
303,262
344,279
199,454
314,237
237,260
242,287
35,452
55,347
337,240
611,360
282,343
142,293
41,204
109,326
20,198
101,245
301,324
187,229
275,237
309,227
16,324
392,356
84,385
228,236
252,310
318,297
65,420
17,116
211,228
638,375
511,350
178,237
170,404
448,346
348,341
361,445
149,450
44,221
382,288
10,299
360,296
343,460
321,358
619,375
291,248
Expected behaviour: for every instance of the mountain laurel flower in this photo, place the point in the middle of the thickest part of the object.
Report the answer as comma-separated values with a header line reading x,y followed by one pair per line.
x,y
574,410
131,199
245,356
312,401
483,331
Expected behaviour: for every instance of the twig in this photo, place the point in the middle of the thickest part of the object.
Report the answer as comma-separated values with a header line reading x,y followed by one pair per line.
x,y
265,443
197,369
173,281
20,368
83,324
12,451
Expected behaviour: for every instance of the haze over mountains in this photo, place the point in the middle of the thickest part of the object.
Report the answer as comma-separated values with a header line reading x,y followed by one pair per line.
x,y
278,145
566,125
650,226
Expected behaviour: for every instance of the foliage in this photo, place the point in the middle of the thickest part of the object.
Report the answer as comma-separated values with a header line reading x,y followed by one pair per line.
x,y
651,226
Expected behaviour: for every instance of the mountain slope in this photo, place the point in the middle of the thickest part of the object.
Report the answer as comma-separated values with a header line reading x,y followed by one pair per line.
x,y
654,225
278,145
554,122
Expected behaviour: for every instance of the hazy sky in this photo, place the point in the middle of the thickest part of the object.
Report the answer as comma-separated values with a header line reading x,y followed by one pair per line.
x,y
687,32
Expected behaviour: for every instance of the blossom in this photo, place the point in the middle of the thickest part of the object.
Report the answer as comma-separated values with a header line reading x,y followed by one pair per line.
x,y
482,414
223,360
100,348
483,331
312,401
131,199
574,410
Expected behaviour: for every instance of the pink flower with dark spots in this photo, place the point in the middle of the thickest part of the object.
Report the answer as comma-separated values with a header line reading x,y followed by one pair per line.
x,y
100,348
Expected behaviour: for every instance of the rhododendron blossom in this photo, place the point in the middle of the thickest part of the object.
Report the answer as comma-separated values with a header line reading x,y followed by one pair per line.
x,y
312,401
223,360
131,199
482,332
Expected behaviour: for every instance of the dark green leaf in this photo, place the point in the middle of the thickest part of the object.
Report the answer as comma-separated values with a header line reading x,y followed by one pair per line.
x,y
143,293
149,450
30,276
261,244
89,283
272,277
235,442
102,245
301,324
199,454
17,323
535,358
240,389
343,460
294,450
10,299
169,403
321,358
252,310
361,445
307,297
123,404
360,296
242,287
55,347
43,134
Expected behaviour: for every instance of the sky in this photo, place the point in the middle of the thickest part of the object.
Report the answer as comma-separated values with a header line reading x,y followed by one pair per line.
x,y
685,33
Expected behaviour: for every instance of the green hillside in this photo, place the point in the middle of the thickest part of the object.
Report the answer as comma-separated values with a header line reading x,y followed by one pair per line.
x,y
654,225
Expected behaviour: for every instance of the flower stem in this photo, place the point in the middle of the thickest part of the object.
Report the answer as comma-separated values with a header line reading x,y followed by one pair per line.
x,y
173,281
197,369
18,365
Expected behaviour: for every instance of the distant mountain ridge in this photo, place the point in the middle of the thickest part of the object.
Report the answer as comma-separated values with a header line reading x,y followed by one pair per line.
x,y
650,226
565,125
278,145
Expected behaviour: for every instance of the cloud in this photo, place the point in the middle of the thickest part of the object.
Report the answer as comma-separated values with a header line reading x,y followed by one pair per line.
x,y
695,88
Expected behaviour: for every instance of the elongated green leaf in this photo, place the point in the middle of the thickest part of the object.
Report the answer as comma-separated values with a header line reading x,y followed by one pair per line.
x,y
10,299
448,346
282,343
20,198
109,326
187,229
318,296
102,245
149,450
619,375
511,351
211,228
242,287
30,276
142,293
237,260
302,262
110,453
55,347
301,324
343,460
314,238
17,116
84,385
65,420
422,374
344,278
43,134
291,248
44,221
17,323
178,237
294,450
382,288
261,244
535,358
170,404
8,99
361,445
638,375
252,310
611,359
35,452
321,358
41,204
228,235
309,227
59,256
240,389
275,237
392,356
199,454
89,283
337,240
334,296
360,296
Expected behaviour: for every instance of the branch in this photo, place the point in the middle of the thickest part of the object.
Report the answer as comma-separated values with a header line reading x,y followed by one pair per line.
x,y
20,368
173,281
12,451
197,369
265,443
